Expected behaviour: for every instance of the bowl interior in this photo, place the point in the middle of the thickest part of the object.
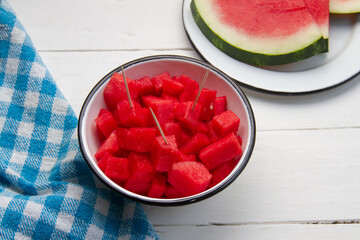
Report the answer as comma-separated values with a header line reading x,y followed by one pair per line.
x,y
151,67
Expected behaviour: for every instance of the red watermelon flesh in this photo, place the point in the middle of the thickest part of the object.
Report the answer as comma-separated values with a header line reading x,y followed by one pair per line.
x,y
195,143
191,88
103,161
106,123
186,115
122,136
141,173
157,187
171,192
117,169
158,82
172,87
129,116
206,99
163,109
103,111
164,155
221,172
110,145
221,151
225,123
202,127
287,13
167,96
172,128
115,91
140,139
143,86
189,178
219,105
320,12
182,157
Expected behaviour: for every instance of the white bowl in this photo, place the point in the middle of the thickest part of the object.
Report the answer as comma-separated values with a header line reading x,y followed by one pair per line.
x,y
175,66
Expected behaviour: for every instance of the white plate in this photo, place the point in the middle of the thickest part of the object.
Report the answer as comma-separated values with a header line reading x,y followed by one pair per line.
x,y
319,72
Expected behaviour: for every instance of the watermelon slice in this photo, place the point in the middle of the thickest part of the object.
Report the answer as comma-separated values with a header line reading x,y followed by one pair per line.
x,y
344,6
263,32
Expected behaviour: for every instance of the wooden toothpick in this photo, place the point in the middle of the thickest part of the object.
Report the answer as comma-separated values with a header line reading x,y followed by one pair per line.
x,y
158,125
201,87
127,88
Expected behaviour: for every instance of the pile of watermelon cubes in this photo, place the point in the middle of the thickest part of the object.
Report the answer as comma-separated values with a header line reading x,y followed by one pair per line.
x,y
202,143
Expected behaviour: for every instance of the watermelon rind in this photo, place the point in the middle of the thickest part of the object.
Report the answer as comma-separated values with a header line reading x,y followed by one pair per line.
x,y
344,7
265,55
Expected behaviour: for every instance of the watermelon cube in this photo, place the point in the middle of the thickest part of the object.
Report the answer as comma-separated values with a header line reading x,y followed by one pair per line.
x,y
103,111
195,143
164,155
129,116
201,127
167,96
157,187
117,169
157,81
221,172
219,105
188,117
182,157
140,139
221,151
172,87
106,123
171,192
206,99
163,109
122,136
115,91
147,118
225,123
143,86
189,178
191,88
103,161
213,135
174,128
141,173
110,145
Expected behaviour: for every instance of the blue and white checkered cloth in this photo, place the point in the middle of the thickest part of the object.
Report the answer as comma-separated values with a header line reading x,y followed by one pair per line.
x,y
46,188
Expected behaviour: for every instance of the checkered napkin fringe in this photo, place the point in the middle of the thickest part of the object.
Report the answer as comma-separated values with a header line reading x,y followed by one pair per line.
x,y
46,188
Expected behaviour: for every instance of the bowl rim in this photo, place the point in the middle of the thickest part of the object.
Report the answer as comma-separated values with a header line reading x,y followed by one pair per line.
x,y
175,201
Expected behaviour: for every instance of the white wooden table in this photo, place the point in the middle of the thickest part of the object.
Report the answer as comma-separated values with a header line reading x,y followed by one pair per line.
x,y
303,180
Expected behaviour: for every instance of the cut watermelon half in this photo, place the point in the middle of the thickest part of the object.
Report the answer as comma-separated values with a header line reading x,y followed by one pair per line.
x,y
344,6
263,32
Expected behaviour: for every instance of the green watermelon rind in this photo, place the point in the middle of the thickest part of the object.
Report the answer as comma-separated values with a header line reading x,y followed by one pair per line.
x,y
257,59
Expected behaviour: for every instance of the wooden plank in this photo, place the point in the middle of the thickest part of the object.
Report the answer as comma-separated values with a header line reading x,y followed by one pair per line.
x,y
262,232
292,176
103,24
